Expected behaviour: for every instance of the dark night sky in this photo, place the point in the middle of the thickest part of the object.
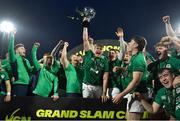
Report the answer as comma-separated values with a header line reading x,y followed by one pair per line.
x,y
46,21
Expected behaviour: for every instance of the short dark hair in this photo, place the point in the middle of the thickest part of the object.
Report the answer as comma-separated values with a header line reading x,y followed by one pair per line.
x,y
141,41
18,45
160,71
112,49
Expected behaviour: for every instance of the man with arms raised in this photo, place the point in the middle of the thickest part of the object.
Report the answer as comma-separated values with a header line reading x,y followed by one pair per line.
x,y
73,86
95,82
21,67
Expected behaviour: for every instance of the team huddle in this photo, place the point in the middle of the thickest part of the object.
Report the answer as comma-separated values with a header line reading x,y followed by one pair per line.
x,y
130,72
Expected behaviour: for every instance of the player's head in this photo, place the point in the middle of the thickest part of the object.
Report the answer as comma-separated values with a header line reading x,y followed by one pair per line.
x,y
20,49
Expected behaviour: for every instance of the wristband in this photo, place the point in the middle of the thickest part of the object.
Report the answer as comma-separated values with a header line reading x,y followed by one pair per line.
x,y
85,24
8,93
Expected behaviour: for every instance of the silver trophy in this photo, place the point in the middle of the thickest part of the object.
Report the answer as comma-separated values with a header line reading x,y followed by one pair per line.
x,y
87,12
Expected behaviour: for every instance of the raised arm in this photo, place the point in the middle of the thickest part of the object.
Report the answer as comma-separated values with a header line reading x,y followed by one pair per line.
x,y
11,51
176,43
169,29
91,43
34,57
86,43
64,59
122,43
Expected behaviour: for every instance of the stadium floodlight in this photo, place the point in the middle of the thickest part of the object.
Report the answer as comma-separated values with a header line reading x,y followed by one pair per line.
x,y
7,27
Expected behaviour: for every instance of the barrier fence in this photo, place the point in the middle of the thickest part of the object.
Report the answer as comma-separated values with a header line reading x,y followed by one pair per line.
x,y
38,108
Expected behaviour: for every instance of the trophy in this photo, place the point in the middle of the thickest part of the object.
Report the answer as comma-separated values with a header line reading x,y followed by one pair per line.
x,y
87,12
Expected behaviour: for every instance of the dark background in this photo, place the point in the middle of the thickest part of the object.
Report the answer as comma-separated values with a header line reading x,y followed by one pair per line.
x,y
46,21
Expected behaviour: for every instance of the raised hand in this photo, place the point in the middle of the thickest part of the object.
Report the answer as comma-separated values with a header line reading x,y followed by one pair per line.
x,y
166,19
66,44
37,44
119,32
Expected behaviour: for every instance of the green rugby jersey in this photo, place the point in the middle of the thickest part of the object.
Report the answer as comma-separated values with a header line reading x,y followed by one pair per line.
x,y
73,82
3,77
21,67
137,63
172,63
94,68
7,67
46,81
170,99
114,76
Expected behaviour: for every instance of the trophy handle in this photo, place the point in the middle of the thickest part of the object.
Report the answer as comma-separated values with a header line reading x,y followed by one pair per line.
x,y
80,12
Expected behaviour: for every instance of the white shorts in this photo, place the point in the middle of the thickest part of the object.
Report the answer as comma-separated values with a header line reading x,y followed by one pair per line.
x,y
134,105
91,91
113,92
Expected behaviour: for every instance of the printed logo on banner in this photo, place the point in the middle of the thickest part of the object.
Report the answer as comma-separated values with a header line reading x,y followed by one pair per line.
x,y
14,117
82,114
108,45
105,49
46,111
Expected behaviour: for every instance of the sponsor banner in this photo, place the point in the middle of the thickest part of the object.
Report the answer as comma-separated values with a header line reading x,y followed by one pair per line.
x,y
37,108
107,43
